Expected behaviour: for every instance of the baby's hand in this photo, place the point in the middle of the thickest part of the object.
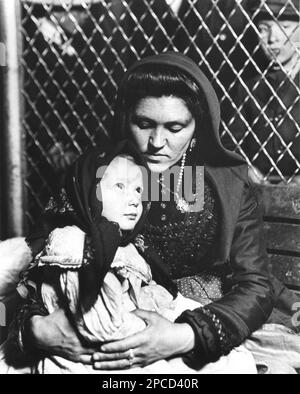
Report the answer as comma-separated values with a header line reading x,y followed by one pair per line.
x,y
156,298
129,263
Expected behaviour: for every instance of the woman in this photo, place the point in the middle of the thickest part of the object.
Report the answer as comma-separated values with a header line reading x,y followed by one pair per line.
x,y
169,109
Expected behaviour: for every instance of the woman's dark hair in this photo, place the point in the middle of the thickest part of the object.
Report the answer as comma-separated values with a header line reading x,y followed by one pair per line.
x,y
155,80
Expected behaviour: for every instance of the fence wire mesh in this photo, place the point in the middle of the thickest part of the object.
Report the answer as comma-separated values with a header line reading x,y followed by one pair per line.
x,y
76,51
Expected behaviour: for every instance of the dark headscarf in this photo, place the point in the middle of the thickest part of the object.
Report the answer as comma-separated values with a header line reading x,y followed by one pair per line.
x,y
82,180
213,153
79,205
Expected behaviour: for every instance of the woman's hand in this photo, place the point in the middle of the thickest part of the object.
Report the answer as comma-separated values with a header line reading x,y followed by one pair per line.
x,y
160,339
55,335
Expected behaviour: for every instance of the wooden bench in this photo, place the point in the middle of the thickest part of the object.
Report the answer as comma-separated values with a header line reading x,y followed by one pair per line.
x,y
282,230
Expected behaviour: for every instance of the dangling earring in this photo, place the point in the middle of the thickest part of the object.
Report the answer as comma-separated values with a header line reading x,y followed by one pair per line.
x,y
193,143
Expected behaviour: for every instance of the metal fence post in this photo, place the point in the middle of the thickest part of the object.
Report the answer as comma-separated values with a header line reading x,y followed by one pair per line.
x,y
13,195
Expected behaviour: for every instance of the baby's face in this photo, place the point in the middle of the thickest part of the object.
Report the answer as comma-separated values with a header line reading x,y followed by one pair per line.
x,y
279,39
122,188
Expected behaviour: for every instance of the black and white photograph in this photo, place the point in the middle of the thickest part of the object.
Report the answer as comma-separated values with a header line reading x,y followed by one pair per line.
x,y
149,190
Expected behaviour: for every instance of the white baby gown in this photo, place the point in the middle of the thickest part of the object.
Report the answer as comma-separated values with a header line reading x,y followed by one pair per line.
x,y
127,286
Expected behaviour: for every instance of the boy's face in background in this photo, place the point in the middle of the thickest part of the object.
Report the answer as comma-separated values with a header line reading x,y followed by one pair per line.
x,y
279,39
122,189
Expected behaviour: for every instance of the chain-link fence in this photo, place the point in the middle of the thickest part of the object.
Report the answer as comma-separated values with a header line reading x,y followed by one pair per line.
x,y
75,53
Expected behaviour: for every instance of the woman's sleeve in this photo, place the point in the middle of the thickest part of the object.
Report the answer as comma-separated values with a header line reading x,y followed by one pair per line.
x,y
225,324
20,350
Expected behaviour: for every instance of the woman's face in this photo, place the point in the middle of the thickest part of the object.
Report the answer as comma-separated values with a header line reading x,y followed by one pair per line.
x,y
122,188
162,128
279,39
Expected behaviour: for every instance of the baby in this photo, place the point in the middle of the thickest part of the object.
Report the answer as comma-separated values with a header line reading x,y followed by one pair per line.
x,y
127,285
